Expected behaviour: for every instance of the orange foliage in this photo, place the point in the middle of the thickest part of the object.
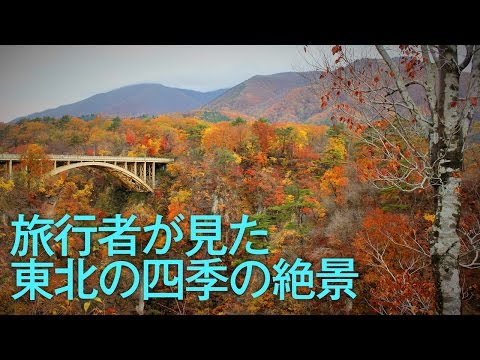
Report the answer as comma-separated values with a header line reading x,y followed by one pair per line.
x,y
396,264
264,132
333,182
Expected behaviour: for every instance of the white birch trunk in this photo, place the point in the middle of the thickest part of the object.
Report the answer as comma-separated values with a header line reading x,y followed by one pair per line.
x,y
447,133
447,157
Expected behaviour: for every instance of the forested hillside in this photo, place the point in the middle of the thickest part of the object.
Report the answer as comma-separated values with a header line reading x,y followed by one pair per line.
x,y
307,184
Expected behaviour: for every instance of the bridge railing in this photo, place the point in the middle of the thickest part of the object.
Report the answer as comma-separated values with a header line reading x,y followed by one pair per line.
x,y
54,157
10,156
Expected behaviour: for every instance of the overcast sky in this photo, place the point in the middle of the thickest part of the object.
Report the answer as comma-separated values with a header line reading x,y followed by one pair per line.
x,y
36,78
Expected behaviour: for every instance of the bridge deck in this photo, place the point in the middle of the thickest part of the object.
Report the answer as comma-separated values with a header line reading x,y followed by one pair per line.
x,y
136,173
17,157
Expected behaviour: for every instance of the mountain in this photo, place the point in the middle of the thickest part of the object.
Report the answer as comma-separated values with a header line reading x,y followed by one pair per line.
x,y
258,92
278,97
283,97
293,97
134,100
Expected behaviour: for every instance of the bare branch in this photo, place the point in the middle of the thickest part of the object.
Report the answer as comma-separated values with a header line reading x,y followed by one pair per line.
x,y
430,86
400,83
471,246
434,51
468,57
413,82
472,93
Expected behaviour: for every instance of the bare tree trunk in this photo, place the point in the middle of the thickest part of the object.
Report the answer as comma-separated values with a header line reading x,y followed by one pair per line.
x,y
445,117
141,303
447,133
445,247
447,162
215,204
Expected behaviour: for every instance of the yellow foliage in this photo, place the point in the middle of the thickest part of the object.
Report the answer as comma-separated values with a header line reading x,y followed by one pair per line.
x,y
7,185
287,180
41,187
336,148
319,212
429,217
183,195
84,193
302,138
289,198
237,158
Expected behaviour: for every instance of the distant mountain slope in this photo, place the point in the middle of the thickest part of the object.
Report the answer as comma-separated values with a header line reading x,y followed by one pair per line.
x,y
257,93
278,97
134,100
290,97
283,97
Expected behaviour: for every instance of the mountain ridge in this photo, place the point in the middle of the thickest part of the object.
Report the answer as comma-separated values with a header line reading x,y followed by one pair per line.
x,y
132,100
299,99
280,97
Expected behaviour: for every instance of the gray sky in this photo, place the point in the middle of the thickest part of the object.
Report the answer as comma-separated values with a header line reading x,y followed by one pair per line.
x,y
35,78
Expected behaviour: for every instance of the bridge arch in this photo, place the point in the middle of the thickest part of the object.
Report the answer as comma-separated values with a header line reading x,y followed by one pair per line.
x,y
130,180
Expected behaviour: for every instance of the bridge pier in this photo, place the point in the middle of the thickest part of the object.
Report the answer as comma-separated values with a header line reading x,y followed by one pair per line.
x,y
153,175
10,168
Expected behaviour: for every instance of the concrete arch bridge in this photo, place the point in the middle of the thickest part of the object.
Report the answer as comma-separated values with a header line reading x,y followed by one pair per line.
x,y
135,173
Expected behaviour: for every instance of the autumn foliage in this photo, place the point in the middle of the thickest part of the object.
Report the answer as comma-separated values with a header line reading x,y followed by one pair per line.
x,y
305,183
